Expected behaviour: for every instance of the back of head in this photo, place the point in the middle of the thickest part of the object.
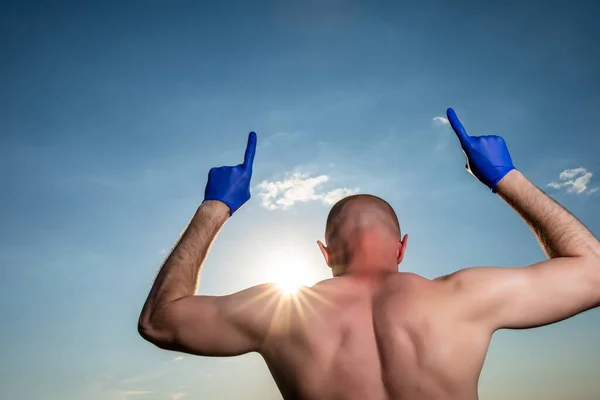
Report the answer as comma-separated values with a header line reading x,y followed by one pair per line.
x,y
361,225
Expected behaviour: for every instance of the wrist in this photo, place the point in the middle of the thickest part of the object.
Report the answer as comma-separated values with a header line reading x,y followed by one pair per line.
x,y
512,181
216,209
505,171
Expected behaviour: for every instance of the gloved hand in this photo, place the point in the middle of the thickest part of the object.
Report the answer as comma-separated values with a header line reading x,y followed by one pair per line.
x,y
231,185
488,158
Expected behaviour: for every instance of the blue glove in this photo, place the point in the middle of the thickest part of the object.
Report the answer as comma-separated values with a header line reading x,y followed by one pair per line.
x,y
231,185
488,158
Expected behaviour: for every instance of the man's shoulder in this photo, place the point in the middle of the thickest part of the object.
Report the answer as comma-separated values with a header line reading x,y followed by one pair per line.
x,y
408,284
329,287
407,278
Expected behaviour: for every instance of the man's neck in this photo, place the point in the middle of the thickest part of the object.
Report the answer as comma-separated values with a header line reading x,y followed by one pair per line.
x,y
367,270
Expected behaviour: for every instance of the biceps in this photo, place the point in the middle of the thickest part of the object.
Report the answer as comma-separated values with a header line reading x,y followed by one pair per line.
x,y
537,295
202,325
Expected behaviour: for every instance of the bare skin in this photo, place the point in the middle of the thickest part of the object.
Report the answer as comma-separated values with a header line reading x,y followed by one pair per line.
x,y
373,332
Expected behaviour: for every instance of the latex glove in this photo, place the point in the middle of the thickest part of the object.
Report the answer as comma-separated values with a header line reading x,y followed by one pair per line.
x,y
488,158
231,185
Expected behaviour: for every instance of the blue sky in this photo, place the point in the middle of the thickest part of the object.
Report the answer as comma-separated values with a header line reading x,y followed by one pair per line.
x,y
112,113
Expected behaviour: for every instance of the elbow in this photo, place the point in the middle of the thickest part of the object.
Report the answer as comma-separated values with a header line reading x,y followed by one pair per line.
x,y
146,331
161,326
145,326
593,278
155,332
152,326
596,279
161,338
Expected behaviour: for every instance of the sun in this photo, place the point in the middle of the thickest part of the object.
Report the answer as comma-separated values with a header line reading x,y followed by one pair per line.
x,y
289,274
288,285
288,278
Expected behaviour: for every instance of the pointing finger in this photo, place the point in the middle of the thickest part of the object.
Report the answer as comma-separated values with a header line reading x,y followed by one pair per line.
x,y
458,128
250,150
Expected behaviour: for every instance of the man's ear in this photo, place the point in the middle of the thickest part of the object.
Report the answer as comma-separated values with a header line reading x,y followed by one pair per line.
x,y
324,251
401,248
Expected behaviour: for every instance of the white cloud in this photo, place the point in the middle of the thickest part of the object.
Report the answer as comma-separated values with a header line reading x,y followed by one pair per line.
x,y
136,392
298,187
178,358
335,195
177,396
143,378
575,180
439,121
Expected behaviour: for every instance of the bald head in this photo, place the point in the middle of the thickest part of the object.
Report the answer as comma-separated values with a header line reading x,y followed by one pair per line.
x,y
356,220
364,210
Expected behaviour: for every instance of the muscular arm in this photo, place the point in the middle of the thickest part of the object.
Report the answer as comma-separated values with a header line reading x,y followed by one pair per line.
x,y
543,293
560,234
178,277
174,318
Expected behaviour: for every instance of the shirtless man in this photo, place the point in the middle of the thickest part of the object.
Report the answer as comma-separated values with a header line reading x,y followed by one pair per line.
x,y
371,332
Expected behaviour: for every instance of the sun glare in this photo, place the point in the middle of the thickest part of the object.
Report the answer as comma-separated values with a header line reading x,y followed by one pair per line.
x,y
288,274
288,285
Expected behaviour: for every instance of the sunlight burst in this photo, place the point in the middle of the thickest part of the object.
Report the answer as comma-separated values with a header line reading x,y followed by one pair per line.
x,y
289,274
288,285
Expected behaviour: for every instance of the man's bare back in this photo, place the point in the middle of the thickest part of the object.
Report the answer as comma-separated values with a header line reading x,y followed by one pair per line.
x,y
399,336
372,333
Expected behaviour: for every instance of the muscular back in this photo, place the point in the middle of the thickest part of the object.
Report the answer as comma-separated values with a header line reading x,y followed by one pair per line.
x,y
396,337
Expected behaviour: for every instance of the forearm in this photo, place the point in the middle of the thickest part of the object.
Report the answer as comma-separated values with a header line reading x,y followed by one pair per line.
x,y
178,277
560,234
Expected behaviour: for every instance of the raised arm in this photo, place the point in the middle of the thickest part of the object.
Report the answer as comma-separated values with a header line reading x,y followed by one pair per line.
x,y
215,326
540,294
173,317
